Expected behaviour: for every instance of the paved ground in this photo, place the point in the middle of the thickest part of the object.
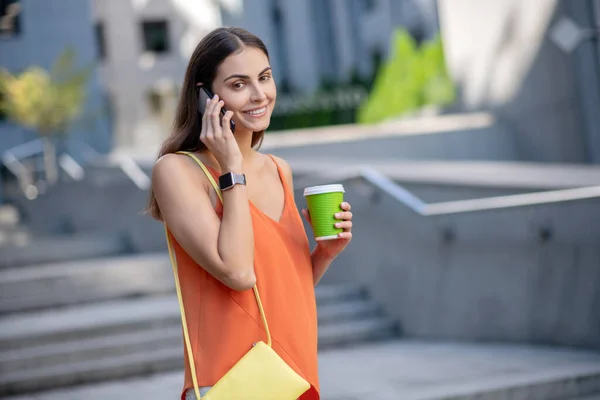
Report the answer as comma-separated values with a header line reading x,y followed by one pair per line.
x,y
403,369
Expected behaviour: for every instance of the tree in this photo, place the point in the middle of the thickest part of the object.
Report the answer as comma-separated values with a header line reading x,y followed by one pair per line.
x,y
47,102
413,77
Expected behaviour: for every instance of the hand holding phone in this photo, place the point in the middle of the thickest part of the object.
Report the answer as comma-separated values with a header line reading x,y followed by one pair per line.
x,y
214,135
205,93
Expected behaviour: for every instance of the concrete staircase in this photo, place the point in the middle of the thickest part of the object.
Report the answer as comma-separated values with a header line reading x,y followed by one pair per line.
x,y
20,247
108,318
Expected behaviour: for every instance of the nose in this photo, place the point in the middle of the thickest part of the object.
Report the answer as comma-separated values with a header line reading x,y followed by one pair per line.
x,y
257,94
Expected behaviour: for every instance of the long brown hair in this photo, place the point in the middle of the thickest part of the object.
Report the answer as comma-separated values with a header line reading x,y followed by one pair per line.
x,y
212,50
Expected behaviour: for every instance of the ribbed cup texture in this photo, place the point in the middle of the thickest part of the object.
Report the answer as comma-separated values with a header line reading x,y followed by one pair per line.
x,y
322,208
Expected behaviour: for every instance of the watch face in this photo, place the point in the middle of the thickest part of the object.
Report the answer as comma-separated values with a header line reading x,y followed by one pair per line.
x,y
229,180
226,181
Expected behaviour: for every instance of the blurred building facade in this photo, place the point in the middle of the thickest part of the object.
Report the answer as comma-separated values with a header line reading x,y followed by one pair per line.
x,y
36,35
500,55
506,61
315,41
144,47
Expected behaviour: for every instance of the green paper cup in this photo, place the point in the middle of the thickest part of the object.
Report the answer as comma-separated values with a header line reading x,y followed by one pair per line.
x,y
323,202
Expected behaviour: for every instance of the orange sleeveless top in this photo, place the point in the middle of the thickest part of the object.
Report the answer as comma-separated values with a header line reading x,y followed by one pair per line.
x,y
223,323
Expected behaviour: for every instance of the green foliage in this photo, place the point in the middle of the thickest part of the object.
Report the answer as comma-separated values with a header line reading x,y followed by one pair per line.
x,y
413,77
48,102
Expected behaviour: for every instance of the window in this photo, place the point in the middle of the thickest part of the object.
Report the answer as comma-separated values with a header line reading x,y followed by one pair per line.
x,y
156,36
10,18
100,40
369,5
280,52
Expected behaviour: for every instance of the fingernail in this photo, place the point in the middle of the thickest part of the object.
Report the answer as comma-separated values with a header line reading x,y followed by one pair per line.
x,y
337,215
337,225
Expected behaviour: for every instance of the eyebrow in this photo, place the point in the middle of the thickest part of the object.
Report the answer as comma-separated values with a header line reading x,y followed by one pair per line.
x,y
245,76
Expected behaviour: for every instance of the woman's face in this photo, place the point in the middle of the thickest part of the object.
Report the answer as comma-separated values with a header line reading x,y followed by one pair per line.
x,y
245,83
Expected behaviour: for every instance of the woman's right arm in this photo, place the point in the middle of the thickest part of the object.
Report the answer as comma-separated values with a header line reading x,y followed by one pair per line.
x,y
224,248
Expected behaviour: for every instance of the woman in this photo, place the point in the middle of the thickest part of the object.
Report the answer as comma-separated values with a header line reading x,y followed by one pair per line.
x,y
255,236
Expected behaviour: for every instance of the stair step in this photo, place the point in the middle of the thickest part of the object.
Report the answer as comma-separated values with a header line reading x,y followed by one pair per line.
x,y
334,293
97,319
346,311
90,348
371,329
125,355
127,337
76,282
159,336
118,367
157,321
86,321
38,250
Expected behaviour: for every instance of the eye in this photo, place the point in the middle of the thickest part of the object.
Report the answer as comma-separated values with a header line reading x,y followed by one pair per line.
x,y
265,78
238,85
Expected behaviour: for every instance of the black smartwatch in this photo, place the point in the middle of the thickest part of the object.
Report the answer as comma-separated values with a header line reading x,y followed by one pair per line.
x,y
229,180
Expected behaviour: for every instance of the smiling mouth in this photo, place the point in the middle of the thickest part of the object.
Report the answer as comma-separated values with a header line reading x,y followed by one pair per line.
x,y
257,111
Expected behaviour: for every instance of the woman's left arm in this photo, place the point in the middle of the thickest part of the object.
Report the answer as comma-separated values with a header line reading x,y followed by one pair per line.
x,y
326,251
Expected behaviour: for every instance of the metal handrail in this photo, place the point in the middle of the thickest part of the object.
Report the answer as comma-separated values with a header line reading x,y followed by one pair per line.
x,y
129,167
488,203
134,172
12,160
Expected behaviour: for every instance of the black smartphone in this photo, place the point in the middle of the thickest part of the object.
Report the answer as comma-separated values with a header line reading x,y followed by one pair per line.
x,y
205,93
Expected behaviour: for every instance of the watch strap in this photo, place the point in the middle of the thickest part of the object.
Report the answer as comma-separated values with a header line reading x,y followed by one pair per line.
x,y
230,179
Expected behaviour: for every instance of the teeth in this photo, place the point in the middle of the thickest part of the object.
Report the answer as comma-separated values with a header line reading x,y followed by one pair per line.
x,y
256,112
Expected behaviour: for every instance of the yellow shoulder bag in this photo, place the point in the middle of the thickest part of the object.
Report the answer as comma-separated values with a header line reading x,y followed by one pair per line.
x,y
260,374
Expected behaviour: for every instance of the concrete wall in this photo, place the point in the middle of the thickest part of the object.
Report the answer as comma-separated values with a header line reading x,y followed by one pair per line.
x,y
492,142
500,55
482,276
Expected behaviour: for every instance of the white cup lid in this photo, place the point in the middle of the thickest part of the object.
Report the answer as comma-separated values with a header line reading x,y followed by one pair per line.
x,y
323,189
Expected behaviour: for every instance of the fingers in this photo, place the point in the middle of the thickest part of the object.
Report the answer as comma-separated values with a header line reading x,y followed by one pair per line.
x,y
345,235
215,114
226,127
207,117
345,215
346,221
344,225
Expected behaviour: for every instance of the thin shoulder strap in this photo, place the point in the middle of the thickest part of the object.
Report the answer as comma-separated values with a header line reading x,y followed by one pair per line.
x,y
184,324
206,172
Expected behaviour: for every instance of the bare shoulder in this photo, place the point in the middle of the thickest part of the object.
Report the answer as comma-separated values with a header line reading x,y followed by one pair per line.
x,y
287,170
283,164
169,165
173,169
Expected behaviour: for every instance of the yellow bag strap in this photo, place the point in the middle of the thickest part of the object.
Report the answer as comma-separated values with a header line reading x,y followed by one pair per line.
x,y
186,335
